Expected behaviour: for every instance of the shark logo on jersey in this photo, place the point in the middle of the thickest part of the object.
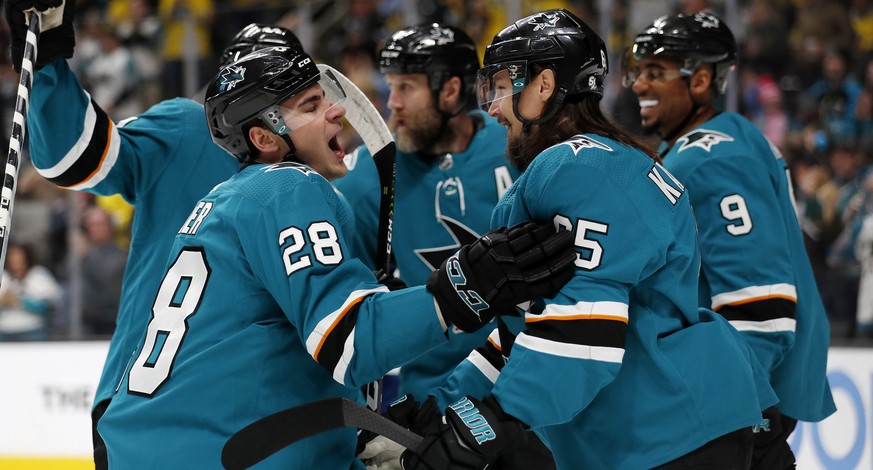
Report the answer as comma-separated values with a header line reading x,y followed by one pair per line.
x,y
463,235
231,76
703,138
544,21
580,142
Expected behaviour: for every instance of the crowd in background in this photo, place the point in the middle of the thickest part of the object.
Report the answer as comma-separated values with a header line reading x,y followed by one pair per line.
x,y
805,77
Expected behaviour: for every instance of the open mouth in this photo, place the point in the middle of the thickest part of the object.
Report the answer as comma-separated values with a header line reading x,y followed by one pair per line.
x,y
335,147
648,103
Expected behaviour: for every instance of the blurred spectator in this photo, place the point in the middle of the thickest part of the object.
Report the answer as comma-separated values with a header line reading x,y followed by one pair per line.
x,y
187,26
864,252
861,14
112,76
765,46
819,25
835,96
29,296
103,263
355,26
140,30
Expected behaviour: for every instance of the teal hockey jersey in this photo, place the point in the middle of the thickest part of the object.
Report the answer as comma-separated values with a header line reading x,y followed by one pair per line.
x,y
755,268
161,162
260,309
620,370
439,205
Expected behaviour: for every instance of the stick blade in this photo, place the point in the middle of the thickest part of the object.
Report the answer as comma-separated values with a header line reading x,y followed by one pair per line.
x,y
270,434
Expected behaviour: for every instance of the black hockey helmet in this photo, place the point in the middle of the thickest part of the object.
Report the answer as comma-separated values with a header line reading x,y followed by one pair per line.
x,y
249,91
555,39
257,36
439,51
692,39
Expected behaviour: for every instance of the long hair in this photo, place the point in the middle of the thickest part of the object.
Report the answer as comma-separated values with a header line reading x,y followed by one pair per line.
x,y
578,115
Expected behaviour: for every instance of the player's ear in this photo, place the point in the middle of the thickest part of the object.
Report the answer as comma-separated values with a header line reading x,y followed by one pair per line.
x,y
701,80
544,84
263,139
450,94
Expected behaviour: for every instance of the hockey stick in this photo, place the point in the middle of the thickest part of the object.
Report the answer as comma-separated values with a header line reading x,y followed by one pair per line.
x,y
268,435
13,157
367,121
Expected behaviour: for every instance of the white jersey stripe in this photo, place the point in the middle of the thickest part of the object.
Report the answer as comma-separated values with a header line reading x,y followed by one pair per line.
x,y
106,166
485,367
775,325
339,372
326,324
604,310
755,293
73,155
576,351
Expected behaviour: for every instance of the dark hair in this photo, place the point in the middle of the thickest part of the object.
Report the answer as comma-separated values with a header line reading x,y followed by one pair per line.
x,y
579,115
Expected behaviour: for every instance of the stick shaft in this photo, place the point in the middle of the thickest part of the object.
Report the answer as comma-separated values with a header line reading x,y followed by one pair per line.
x,y
13,157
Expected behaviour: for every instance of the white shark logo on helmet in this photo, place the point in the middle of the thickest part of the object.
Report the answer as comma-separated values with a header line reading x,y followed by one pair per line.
x,y
544,21
231,76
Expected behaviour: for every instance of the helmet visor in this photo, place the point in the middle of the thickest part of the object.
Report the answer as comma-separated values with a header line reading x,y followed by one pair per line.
x,y
308,105
499,81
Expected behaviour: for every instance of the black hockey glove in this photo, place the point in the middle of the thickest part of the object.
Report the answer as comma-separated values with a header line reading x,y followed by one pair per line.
x,y
471,436
56,38
389,281
502,269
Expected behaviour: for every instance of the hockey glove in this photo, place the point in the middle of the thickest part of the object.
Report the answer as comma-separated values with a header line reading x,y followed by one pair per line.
x,y
381,453
389,281
502,269
471,436
56,38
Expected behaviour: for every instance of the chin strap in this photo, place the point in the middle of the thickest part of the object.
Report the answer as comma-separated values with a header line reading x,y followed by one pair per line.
x,y
292,150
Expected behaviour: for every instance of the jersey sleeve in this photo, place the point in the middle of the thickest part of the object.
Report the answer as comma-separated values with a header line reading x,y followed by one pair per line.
x,y
75,145
746,258
360,186
575,346
348,322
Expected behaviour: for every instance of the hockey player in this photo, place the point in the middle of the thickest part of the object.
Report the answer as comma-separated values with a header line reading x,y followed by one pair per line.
x,y
755,271
156,161
450,171
261,308
620,370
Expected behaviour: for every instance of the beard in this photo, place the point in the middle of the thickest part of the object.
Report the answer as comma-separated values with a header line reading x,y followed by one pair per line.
x,y
422,130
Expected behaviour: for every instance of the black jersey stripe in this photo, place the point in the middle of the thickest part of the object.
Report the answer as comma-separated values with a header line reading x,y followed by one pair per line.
x,y
92,157
760,310
585,332
491,353
333,344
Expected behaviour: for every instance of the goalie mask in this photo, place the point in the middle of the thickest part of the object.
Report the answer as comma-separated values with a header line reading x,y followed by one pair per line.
x,y
440,52
554,39
253,91
257,36
692,39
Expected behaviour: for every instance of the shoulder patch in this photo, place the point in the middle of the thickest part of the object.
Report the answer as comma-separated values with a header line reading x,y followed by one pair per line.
x,y
580,142
703,138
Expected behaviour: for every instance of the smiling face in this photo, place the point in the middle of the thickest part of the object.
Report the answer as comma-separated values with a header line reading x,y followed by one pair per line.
x,y
664,96
531,103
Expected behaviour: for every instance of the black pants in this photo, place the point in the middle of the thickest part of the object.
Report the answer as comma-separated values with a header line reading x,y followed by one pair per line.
x,y
101,459
772,451
733,451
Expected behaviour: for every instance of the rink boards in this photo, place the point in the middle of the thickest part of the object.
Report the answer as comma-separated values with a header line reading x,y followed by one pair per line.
x,y
47,388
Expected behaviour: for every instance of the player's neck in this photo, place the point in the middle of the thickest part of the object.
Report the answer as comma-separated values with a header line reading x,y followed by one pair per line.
x,y
457,136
